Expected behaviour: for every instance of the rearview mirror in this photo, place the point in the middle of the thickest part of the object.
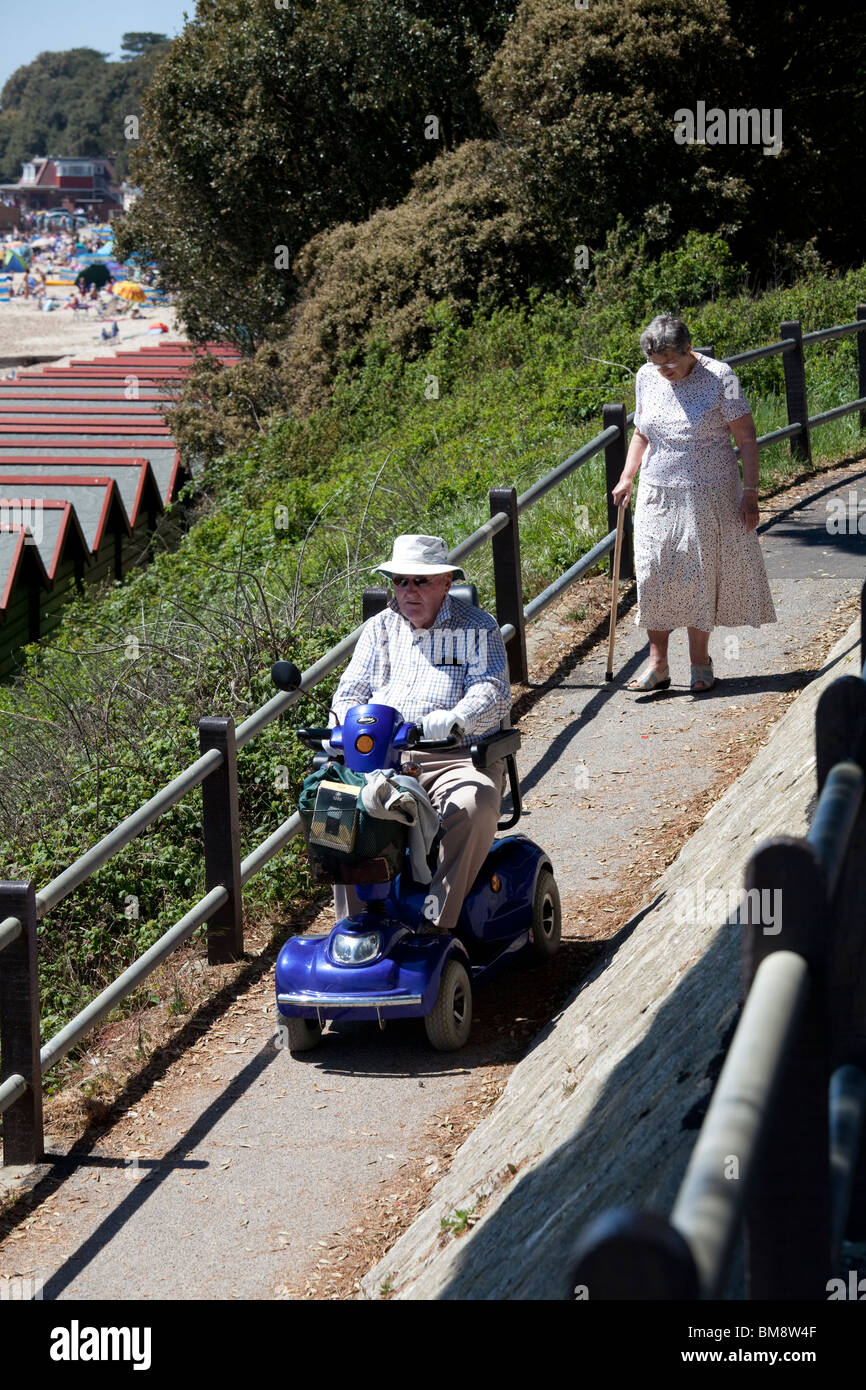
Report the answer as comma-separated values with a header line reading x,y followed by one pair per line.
x,y
285,675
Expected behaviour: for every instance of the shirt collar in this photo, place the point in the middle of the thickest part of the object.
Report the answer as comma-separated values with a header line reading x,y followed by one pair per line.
x,y
444,614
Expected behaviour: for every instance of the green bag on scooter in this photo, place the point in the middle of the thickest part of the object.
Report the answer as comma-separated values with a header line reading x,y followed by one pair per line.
x,y
344,843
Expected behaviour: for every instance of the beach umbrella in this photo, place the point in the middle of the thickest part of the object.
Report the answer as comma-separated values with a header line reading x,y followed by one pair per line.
x,y
128,289
95,275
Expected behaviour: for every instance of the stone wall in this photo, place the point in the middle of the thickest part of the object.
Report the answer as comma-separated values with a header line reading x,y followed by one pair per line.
x,y
604,1110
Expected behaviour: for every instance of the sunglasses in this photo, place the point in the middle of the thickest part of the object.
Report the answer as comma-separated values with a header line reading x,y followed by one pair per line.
x,y
403,581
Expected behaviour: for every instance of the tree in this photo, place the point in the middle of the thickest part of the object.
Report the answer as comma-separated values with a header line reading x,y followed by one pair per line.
x,y
72,103
134,46
590,99
583,104
811,66
267,123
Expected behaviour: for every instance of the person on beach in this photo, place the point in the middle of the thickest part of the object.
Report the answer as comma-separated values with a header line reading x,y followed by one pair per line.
x,y
697,557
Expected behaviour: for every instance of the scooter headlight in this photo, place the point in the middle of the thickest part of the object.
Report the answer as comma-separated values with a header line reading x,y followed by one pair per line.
x,y
347,949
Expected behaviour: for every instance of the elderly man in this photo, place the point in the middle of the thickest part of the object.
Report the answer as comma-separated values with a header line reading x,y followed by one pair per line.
x,y
442,664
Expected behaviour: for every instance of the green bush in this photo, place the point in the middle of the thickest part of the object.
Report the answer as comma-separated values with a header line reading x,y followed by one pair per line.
x,y
271,121
287,530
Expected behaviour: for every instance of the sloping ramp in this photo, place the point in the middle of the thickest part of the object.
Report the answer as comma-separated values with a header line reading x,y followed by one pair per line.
x,y
604,1111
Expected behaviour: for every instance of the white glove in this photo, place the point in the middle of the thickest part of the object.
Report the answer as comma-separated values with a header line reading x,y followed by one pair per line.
x,y
439,723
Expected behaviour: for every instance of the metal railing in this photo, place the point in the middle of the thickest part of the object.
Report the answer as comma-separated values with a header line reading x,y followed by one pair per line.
x,y
789,1107
22,1060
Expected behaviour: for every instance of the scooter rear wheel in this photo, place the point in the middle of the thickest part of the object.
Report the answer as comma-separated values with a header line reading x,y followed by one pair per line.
x,y
450,1020
546,917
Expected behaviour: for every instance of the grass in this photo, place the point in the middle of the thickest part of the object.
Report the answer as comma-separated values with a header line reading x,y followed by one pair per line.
x,y
287,530
459,1221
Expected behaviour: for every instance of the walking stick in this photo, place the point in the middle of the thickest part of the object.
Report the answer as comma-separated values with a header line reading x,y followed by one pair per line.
x,y
614,588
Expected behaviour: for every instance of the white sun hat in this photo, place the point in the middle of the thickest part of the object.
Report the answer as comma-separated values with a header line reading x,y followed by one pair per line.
x,y
419,555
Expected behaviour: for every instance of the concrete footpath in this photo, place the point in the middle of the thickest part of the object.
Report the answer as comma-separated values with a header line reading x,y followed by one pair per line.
x,y
238,1170
604,1111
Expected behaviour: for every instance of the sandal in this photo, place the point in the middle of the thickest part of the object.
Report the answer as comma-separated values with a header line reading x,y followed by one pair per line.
x,y
649,679
703,678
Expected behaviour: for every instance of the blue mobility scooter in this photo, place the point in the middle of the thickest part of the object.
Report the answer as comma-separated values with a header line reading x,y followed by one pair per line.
x,y
377,964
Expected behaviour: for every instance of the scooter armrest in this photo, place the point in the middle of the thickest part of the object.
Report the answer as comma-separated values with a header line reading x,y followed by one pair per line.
x,y
491,747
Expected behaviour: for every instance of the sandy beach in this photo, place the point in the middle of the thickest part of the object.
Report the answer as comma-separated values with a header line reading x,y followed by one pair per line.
x,y
27,332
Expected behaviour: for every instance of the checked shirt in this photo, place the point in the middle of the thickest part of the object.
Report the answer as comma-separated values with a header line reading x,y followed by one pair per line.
x,y
457,664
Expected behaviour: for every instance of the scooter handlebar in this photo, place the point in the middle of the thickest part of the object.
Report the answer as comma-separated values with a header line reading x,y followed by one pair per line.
x,y
313,738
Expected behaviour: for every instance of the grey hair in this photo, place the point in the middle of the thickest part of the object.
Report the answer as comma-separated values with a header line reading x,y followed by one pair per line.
x,y
665,334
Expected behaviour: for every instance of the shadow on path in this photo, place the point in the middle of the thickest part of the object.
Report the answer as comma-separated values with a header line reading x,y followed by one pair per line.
x,y
156,1173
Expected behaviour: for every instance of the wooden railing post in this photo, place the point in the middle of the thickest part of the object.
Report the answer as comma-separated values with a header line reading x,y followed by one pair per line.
x,y
840,721
627,1254
861,362
23,1139
222,841
707,351
788,1203
508,580
614,462
794,365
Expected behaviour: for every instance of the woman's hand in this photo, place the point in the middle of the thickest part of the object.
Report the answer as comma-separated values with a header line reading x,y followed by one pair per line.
x,y
621,494
749,510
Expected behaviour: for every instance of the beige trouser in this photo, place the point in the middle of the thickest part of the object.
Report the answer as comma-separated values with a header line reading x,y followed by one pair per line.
x,y
468,800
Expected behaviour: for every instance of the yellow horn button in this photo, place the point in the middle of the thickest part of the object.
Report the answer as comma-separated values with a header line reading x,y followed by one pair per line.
x,y
364,743
495,882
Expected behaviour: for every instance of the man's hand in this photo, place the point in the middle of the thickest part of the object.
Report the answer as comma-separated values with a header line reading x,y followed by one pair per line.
x,y
439,723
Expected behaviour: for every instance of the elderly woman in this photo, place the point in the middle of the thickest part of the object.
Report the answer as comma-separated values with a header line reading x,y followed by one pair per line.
x,y
697,558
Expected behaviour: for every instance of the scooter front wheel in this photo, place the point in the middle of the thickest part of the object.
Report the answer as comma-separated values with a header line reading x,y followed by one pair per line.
x,y
546,917
450,1020
301,1034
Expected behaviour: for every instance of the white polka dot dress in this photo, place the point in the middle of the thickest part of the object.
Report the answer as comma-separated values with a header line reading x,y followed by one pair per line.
x,y
696,564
